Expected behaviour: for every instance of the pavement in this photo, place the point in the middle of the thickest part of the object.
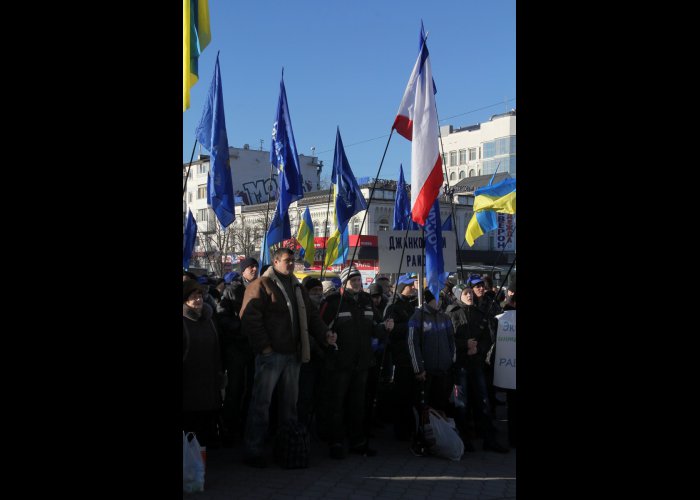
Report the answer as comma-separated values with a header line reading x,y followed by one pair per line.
x,y
395,473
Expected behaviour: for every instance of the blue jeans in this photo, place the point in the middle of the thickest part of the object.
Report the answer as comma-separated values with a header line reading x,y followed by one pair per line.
x,y
270,370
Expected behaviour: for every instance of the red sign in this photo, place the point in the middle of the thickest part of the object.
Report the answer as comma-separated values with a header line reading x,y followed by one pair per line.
x,y
366,240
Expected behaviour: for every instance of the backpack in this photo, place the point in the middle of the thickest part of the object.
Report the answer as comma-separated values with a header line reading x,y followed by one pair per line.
x,y
292,445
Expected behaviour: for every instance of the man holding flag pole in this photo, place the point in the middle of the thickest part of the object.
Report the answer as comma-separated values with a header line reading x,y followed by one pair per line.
x,y
417,121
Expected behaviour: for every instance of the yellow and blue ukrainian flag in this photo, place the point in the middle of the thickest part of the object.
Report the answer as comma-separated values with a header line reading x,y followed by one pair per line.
x,y
489,200
196,35
348,202
305,237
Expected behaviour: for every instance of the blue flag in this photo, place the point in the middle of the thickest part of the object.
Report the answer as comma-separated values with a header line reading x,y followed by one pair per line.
x,y
211,133
434,261
284,157
447,226
188,240
348,202
402,206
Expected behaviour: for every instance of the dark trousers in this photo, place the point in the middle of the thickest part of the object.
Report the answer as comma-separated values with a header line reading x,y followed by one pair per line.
x,y
473,380
310,376
240,368
437,389
403,395
347,397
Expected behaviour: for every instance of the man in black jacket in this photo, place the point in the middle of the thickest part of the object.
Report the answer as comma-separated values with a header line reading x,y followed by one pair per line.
x,y
238,357
352,317
401,310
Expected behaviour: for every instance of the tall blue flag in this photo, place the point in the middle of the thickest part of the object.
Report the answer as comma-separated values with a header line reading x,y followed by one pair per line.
x,y
434,261
283,156
402,206
348,202
188,240
211,133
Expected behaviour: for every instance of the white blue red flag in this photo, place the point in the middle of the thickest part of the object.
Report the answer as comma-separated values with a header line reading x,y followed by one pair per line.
x,y
417,121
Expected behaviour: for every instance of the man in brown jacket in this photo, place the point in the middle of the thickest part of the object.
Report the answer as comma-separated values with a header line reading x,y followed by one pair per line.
x,y
278,317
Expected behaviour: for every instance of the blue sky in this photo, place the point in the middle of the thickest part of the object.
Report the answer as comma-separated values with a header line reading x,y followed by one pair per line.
x,y
346,64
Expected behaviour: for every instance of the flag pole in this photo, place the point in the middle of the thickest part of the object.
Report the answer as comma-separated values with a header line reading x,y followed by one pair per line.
x,y
267,212
325,232
371,197
184,188
450,195
421,274
359,236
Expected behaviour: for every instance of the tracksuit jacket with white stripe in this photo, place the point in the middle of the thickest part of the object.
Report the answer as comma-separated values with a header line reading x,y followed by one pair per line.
x,y
432,344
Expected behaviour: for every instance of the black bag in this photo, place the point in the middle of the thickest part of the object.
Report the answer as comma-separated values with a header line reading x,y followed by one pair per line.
x,y
292,445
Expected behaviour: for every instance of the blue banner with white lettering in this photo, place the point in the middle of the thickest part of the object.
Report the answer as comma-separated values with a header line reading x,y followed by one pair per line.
x,y
434,261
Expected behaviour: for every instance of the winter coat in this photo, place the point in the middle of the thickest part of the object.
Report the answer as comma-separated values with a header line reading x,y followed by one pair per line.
x,y
469,322
355,327
202,375
431,341
266,316
400,311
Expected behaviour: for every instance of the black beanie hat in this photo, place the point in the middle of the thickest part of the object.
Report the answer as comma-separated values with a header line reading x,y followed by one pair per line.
x,y
190,286
247,262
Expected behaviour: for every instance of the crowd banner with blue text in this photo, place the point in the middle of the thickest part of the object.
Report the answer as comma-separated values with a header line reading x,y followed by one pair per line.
x,y
504,357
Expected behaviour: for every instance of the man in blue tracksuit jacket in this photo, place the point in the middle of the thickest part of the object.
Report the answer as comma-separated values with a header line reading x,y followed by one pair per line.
x,y
431,345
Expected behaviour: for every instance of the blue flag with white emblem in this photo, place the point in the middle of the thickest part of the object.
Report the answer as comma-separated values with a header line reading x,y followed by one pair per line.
x,y
211,133
434,261
283,156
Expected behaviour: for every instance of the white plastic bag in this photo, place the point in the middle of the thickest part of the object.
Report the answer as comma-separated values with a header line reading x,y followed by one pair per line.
x,y
192,464
448,444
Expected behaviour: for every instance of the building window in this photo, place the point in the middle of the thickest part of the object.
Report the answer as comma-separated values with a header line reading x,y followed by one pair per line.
x,y
202,215
472,154
471,172
444,159
189,197
452,176
356,227
489,149
461,174
453,158
383,225
463,156
202,168
201,192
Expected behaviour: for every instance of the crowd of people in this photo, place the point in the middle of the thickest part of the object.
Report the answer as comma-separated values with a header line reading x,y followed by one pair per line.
x,y
261,348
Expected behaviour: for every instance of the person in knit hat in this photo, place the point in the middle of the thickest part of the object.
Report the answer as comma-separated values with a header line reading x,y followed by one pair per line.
x,y
249,269
328,287
239,358
202,373
400,309
352,317
349,273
